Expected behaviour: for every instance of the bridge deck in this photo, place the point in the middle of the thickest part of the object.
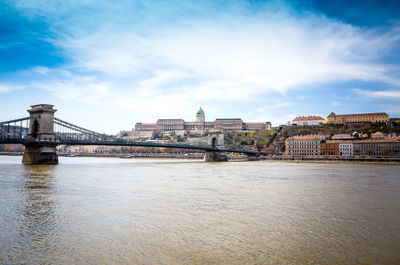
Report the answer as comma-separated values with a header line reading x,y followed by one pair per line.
x,y
18,131
118,142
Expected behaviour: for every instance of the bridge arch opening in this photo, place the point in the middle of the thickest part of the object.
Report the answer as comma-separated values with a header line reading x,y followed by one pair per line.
x,y
35,128
214,142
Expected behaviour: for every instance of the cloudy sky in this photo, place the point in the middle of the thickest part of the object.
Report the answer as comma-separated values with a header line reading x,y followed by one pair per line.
x,y
106,65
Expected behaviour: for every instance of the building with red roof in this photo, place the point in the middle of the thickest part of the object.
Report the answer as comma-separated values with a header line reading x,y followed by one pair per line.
x,y
307,120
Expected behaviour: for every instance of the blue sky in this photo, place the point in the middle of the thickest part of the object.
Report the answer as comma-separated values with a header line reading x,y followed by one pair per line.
x,y
106,65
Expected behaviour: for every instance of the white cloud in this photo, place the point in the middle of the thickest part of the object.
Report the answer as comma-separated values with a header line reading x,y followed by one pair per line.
x,y
5,88
274,119
334,103
394,110
41,70
222,63
233,58
388,94
68,86
165,106
163,65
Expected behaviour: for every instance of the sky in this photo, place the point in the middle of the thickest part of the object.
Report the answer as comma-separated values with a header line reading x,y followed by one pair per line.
x,y
106,65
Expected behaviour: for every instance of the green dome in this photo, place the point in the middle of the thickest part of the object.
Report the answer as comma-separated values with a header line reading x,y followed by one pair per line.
x,y
201,111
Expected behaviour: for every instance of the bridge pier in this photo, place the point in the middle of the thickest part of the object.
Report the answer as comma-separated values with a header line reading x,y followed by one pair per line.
x,y
252,158
41,126
40,155
214,156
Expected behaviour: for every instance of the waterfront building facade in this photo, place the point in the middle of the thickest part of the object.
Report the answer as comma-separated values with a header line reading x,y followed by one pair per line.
x,y
308,120
330,147
377,147
308,145
346,149
357,118
199,126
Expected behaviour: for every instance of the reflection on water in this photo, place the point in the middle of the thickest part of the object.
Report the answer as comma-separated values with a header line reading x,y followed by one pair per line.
x,y
107,211
37,214
34,213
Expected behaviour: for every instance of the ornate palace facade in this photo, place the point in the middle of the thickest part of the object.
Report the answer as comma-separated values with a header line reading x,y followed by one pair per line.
x,y
199,126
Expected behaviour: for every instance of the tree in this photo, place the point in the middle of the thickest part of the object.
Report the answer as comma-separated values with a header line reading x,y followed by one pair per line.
x,y
369,152
259,147
386,150
179,138
155,135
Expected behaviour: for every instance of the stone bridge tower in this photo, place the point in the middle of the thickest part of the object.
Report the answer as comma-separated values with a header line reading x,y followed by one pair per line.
x,y
41,127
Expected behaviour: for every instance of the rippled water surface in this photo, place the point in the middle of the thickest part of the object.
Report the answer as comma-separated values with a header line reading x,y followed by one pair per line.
x,y
105,211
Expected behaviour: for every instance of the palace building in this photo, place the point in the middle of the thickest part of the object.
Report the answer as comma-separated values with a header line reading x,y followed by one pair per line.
x,y
357,118
199,126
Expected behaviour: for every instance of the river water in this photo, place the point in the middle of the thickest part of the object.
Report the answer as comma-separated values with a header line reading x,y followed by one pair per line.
x,y
126,211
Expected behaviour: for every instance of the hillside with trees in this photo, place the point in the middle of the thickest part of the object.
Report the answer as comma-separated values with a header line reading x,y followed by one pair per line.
x,y
330,129
248,138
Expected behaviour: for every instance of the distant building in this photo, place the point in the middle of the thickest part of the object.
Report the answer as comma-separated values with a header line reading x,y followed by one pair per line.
x,y
377,135
394,121
330,147
257,126
169,125
377,147
228,124
308,120
346,149
12,148
124,134
342,136
308,145
199,126
357,118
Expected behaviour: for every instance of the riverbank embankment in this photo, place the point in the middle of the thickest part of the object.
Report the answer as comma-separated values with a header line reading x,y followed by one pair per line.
x,y
389,160
231,157
124,155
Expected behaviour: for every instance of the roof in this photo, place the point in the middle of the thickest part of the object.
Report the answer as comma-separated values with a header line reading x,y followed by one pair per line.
x,y
233,119
358,114
257,122
308,118
201,111
162,120
144,123
392,138
307,137
342,136
384,140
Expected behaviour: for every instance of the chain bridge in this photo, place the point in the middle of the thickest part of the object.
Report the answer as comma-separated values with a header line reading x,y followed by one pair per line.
x,y
41,132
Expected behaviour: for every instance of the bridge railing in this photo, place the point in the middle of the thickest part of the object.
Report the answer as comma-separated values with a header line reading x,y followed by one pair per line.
x,y
14,129
67,131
